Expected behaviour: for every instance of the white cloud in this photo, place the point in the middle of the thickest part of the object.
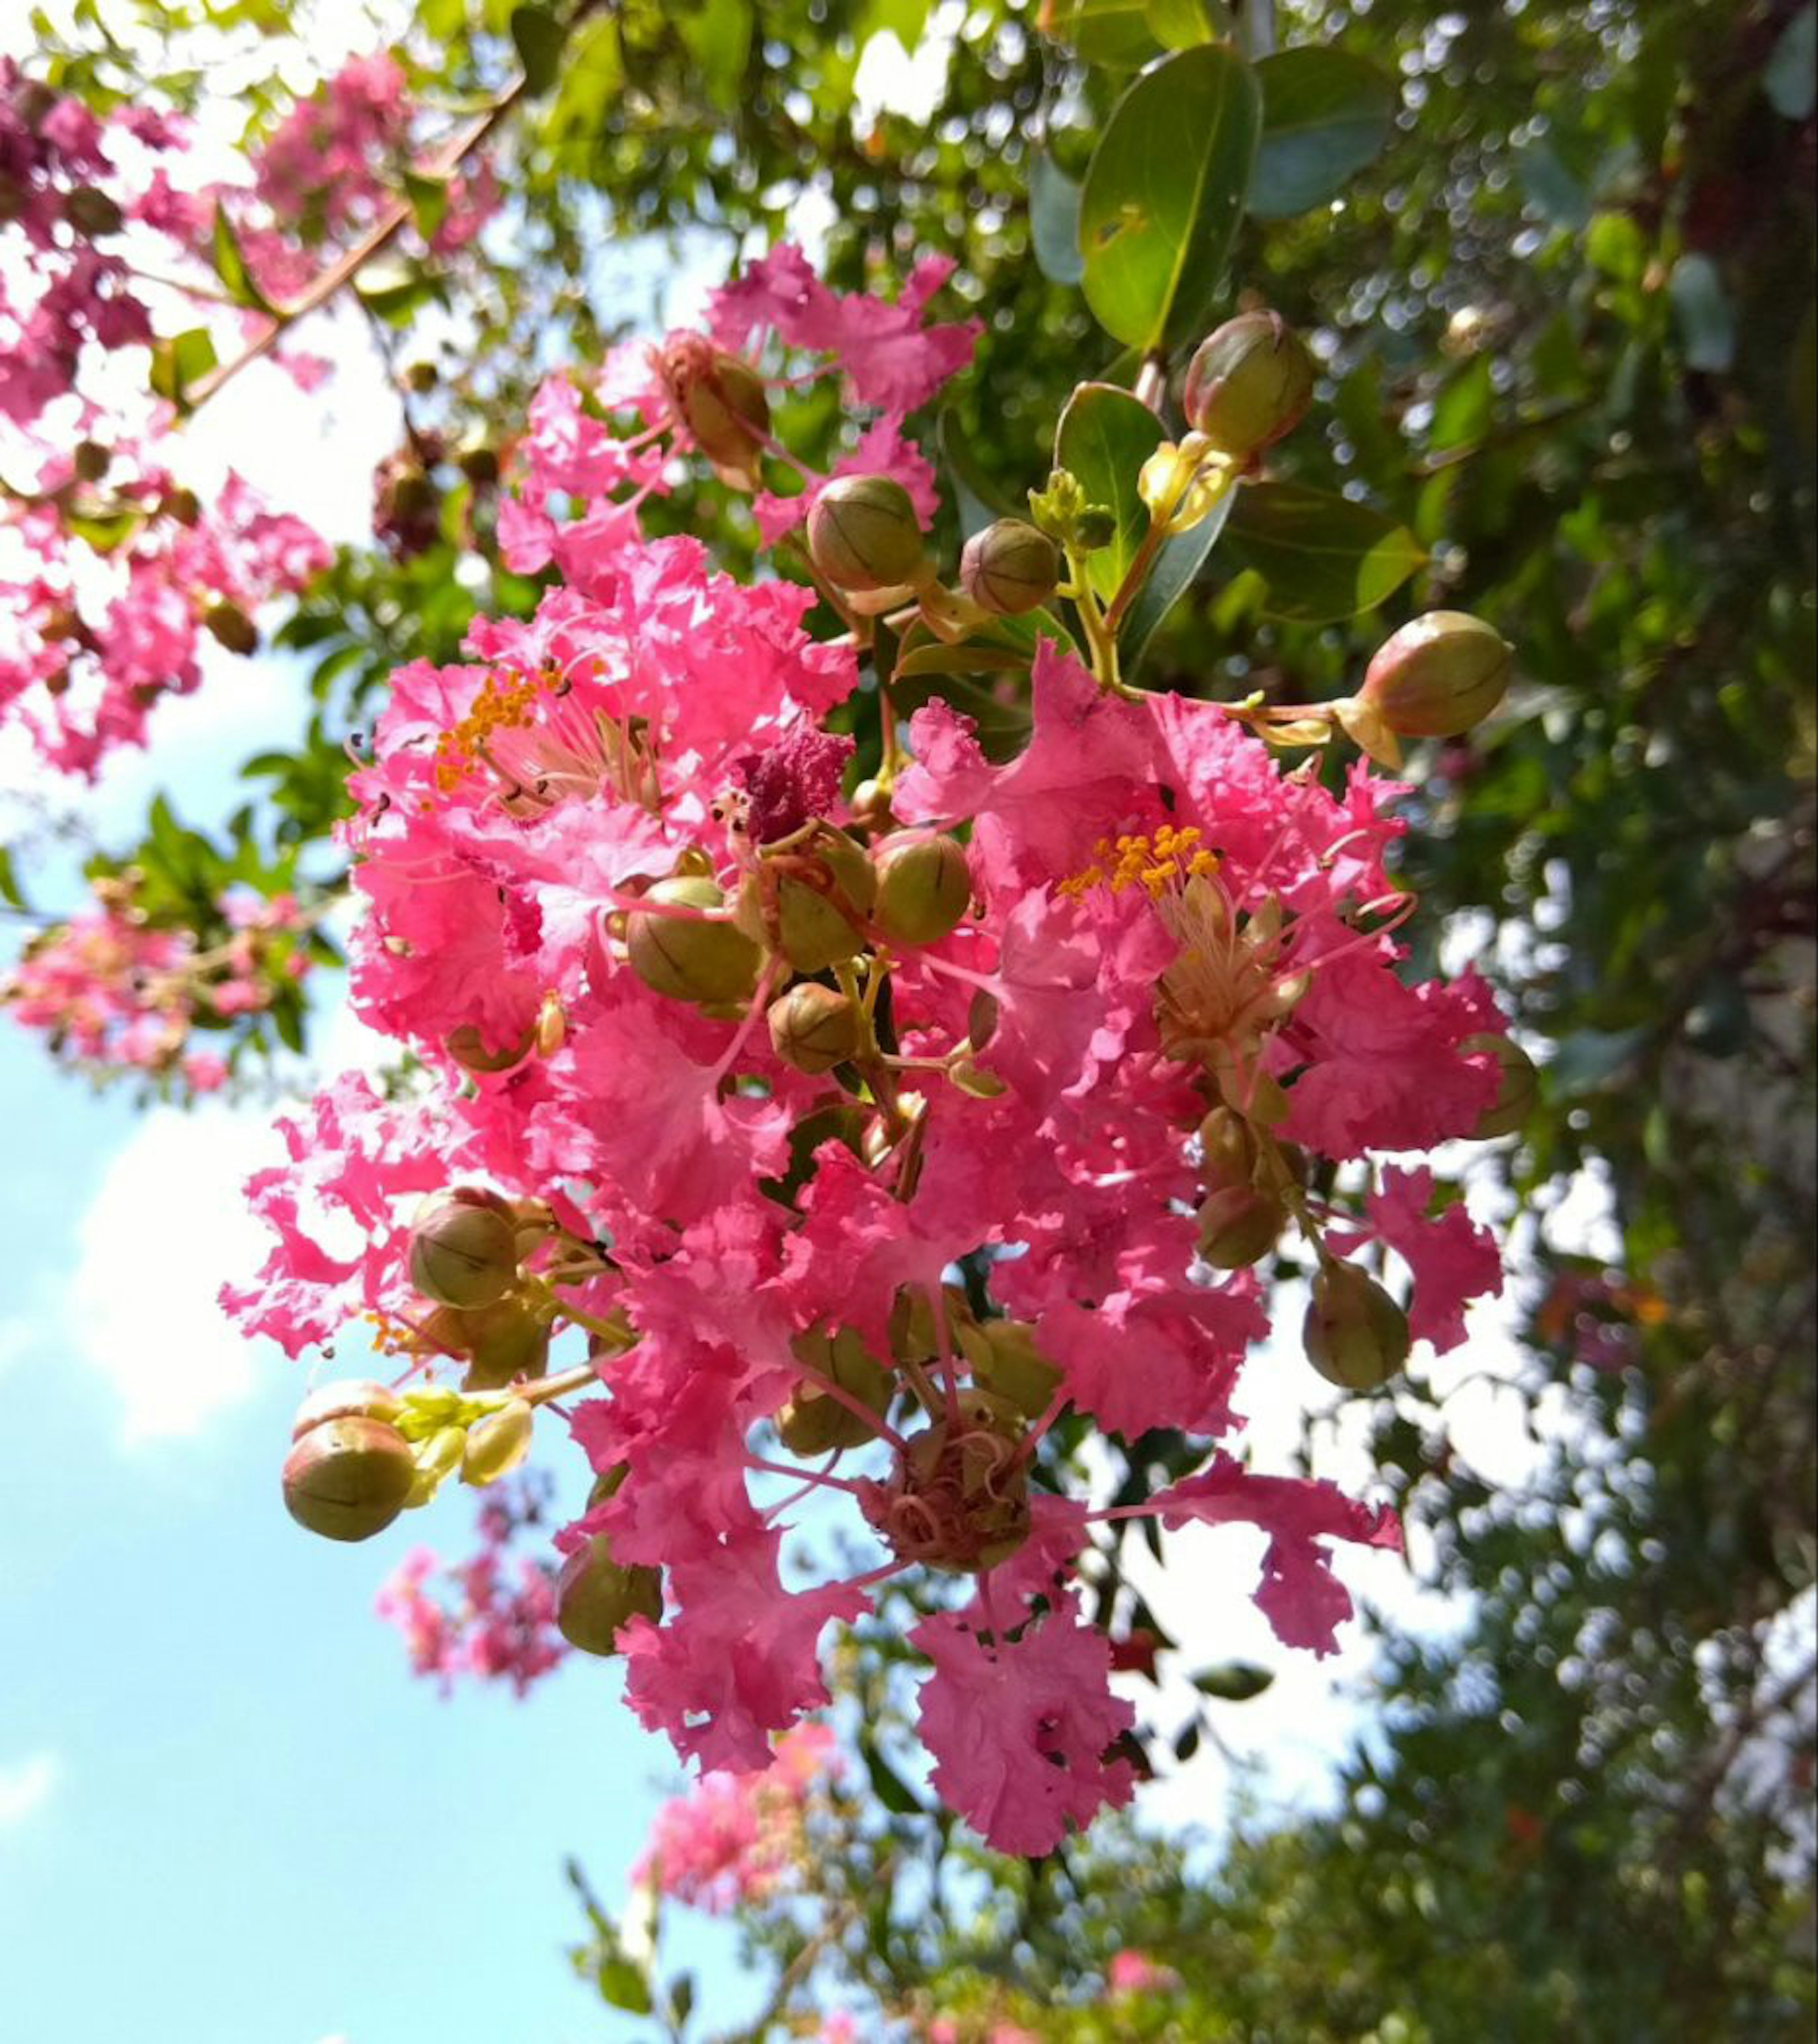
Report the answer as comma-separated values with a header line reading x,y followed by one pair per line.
x,y
26,1785
167,1227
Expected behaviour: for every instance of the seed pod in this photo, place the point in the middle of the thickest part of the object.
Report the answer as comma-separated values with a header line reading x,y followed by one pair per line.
x,y
1356,1335
463,1250
498,1443
862,534
1249,384
471,1050
597,1597
1009,568
347,1479
813,1422
350,1398
231,626
687,959
814,1028
1227,1148
923,889
723,403
1439,676
1237,1224
1520,1088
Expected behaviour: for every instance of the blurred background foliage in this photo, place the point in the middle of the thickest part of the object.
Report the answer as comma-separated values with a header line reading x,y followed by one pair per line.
x,y
1565,318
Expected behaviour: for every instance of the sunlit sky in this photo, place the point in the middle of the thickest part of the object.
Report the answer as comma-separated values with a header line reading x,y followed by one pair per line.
x,y
228,1815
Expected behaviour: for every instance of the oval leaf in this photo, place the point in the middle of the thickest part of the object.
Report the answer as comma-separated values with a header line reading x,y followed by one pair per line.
x,y
1179,561
1325,115
1053,221
1103,438
1115,34
1163,194
1324,558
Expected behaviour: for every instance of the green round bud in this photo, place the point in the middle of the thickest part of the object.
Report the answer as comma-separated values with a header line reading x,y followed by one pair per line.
x,y
688,959
350,1398
596,1597
498,1443
1520,1091
1228,1148
502,1341
1356,1335
813,1027
471,1050
462,1247
1238,1224
1249,384
1007,1363
1009,568
923,889
1439,676
347,1479
862,534
813,931
724,406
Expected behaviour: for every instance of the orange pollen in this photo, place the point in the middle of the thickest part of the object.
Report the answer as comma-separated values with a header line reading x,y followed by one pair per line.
x,y
1160,865
507,702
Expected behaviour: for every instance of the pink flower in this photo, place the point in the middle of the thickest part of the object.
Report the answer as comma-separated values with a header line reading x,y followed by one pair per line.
x,y
1454,1260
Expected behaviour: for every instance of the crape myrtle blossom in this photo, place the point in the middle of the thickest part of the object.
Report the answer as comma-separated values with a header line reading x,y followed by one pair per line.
x,y
112,567
730,1064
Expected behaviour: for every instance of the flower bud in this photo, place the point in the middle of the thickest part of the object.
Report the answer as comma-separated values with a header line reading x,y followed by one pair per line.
x,y
1439,676
596,1597
462,1248
813,1422
347,1479
91,460
862,534
814,1028
722,402
1010,567
1356,1336
351,1398
498,1443
91,213
1520,1088
1249,384
437,1459
923,889
818,920
686,958
1008,1364
1227,1148
231,626
502,1341
1237,1225
471,1050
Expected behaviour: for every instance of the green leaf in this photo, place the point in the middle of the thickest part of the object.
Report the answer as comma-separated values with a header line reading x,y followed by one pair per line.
x,y
230,265
1053,221
1616,246
1163,194
179,361
1170,576
1707,319
1115,34
1181,24
889,1788
1103,438
394,292
1233,1681
1791,78
1465,406
538,38
1325,115
429,199
622,1985
9,888
718,34
1324,558
977,498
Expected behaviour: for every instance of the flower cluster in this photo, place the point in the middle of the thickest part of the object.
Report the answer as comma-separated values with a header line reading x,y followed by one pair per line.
x,y
111,570
739,1064
491,1617
736,1839
111,989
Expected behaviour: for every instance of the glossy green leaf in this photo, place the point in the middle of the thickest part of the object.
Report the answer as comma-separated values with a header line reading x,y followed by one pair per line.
x,y
537,36
181,361
976,496
1324,558
718,33
230,265
429,199
1174,571
1103,438
891,1790
1181,24
1163,194
1115,34
1325,115
10,889
1054,219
